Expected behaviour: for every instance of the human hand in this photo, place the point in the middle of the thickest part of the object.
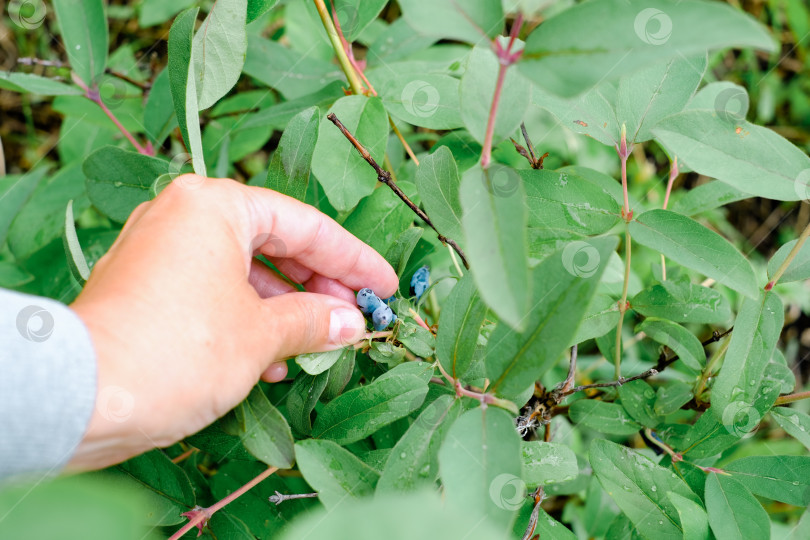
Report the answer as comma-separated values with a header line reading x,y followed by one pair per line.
x,y
184,320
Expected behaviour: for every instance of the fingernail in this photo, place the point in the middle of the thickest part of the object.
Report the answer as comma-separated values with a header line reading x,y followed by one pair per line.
x,y
346,326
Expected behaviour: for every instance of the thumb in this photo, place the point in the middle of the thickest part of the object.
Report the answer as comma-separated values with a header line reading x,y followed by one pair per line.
x,y
301,322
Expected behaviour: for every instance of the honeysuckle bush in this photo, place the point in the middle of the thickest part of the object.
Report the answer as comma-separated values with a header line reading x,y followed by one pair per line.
x,y
598,352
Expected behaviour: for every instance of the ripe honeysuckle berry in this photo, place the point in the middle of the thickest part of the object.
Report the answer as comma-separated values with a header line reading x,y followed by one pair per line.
x,y
382,317
420,282
367,301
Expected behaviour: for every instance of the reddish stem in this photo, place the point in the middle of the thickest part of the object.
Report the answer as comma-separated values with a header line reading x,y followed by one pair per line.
x,y
202,515
505,59
673,174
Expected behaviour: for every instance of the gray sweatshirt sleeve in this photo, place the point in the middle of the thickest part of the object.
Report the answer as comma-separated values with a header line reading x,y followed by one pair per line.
x,y
47,384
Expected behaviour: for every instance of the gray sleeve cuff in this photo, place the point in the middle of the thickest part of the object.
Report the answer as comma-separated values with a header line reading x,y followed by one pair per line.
x,y
47,384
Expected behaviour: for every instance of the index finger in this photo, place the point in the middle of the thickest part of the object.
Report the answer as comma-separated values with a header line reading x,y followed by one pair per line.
x,y
280,226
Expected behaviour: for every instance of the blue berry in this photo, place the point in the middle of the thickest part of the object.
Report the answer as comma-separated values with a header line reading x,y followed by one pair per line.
x,y
389,300
367,301
382,317
420,282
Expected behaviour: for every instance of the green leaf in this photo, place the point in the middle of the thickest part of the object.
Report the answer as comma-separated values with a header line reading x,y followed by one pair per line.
x,y
707,197
360,412
547,463
215,440
638,399
603,417
119,180
671,397
84,34
690,244
438,183
15,191
182,81
593,113
344,174
564,203
355,15
164,485
640,488
694,520
480,465
733,512
400,251
796,423
596,41
229,527
153,12
316,363
447,19
682,302
780,478
266,433
218,51
332,471
751,158
393,517
28,82
42,219
413,462
799,267
494,223
756,330
653,93
460,321
563,285
476,91
292,161
257,8
416,339
676,337
339,375
73,249
304,394
602,316
429,100
379,219
725,98
158,115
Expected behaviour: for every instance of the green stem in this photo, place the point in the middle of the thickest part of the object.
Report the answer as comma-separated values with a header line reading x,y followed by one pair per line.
x,y
623,302
707,371
334,38
789,259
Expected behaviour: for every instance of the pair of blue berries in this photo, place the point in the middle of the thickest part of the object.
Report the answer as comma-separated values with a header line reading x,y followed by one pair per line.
x,y
380,310
381,313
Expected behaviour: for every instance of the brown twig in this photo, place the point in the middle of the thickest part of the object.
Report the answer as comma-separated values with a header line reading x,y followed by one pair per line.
x,y
663,363
534,161
385,177
538,496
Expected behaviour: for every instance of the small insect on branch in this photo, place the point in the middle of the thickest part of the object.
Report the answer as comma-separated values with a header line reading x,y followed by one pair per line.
x,y
385,177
